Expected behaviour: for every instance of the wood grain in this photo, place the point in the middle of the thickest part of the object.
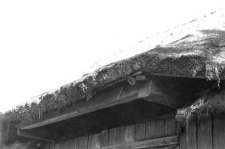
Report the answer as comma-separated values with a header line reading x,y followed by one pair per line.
x,y
205,133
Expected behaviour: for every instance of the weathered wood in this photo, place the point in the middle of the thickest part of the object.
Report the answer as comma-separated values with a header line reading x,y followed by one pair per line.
x,y
172,147
141,77
104,138
165,96
35,134
205,133
140,131
63,145
83,142
150,88
150,129
183,142
165,141
188,139
43,146
57,146
120,135
94,141
159,127
69,144
170,126
112,136
51,145
73,143
131,81
130,133
219,131
110,98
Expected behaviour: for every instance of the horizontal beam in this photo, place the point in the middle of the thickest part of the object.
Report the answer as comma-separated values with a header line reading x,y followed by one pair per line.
x,y
117,96
165,141
110,98
35,134
177,76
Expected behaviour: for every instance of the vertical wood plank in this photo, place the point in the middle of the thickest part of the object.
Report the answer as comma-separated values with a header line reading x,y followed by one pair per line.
x,y
120,135
76,143
90,137
130,133
112,136
71,144
178,127
94,141
204,133
170,126
65,144
57,146
159,127
140,131
191,134
188,139
83,143
104,138
150,129
60,145
219,131
183,142
44,146
51,145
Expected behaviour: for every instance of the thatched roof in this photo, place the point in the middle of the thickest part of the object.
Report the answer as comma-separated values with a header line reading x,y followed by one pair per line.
x,y
211,101
195,49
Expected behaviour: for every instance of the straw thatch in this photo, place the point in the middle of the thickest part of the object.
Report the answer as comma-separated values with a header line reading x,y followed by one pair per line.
x,y
212,101
195,49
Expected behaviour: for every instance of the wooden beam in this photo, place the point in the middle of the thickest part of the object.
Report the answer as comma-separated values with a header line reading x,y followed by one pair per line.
x,y
164,96
110,98
165,141
180,76
117,96
42,135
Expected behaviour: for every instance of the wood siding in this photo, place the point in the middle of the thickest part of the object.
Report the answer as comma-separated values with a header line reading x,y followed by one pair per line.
x,y
204,133
141,134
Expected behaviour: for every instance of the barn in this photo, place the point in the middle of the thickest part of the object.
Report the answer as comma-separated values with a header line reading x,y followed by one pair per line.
x,y
165,92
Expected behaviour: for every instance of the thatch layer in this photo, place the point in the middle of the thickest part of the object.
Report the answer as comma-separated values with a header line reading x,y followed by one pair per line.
x,y
20,145
195,49
211,101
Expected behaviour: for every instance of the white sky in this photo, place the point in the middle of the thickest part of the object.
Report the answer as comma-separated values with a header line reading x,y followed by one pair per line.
x,y
45,44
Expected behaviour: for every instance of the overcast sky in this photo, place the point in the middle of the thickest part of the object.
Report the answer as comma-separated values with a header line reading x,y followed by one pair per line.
x,y
45,44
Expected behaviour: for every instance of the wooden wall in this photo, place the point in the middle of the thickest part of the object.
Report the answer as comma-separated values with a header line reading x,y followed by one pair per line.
x,y
125,136
204,133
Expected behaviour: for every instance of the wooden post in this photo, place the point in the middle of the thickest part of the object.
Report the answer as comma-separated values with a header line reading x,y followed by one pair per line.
x,y
1,135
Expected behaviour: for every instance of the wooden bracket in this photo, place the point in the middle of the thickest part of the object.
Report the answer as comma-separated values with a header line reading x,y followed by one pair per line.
x,y
153,93
39,134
